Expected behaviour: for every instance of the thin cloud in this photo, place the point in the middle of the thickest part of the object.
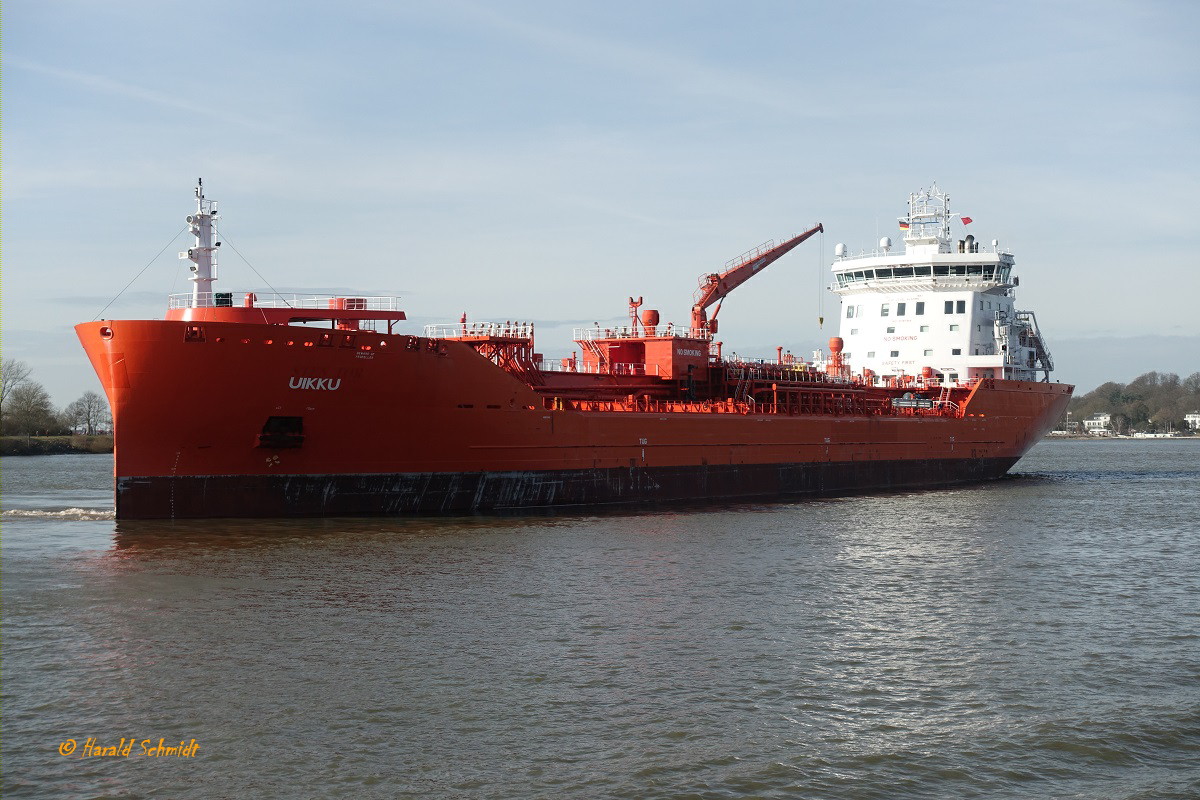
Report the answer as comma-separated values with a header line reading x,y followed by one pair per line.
x,y
126,299
103,85
684,75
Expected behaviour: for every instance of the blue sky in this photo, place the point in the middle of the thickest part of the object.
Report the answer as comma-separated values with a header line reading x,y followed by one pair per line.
x,y
546,160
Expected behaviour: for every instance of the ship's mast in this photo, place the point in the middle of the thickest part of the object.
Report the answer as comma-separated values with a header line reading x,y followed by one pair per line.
x,y
203,254
928,220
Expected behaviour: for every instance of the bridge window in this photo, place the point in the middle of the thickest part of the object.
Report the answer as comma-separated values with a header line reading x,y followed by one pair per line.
x,y
956,351
953,328
962,307
883,311
924,329
870,354
895,354
928,352
920,309
949,306
891,329
900,309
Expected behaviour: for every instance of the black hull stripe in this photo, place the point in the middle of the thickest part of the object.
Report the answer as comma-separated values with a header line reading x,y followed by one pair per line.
x,y
499,492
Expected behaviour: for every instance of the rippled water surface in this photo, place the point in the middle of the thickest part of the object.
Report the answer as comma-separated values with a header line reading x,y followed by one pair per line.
x,y
1034,637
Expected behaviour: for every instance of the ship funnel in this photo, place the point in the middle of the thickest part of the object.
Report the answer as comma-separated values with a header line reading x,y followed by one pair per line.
x,y
971,246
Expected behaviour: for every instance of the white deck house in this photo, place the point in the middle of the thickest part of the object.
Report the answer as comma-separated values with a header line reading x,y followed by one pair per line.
x,y
943,304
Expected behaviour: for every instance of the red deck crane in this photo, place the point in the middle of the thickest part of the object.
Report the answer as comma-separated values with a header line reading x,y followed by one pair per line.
x,y
715,287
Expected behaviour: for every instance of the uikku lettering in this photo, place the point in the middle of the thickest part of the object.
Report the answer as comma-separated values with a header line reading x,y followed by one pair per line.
x,y
330,384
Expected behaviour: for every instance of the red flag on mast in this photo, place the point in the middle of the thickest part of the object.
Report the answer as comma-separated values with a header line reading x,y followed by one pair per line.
x,y
966,220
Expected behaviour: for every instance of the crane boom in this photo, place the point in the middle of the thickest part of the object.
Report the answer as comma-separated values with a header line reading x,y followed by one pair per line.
x,y
716,286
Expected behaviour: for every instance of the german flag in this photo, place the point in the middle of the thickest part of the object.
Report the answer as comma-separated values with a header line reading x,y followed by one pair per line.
x,y
903,225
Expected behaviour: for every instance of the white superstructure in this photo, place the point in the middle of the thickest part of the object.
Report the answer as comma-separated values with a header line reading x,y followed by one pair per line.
x,y
945,304
203,254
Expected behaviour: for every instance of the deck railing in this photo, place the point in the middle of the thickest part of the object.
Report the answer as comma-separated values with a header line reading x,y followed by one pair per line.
x,y
665,330
593,368
482,330
282,300
749,255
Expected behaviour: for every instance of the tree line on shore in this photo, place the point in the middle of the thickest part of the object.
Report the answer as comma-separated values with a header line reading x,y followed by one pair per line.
x,y
1156,402
26,408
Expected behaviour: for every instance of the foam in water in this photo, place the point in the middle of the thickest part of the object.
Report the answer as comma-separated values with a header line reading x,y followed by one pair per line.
x,y
61,514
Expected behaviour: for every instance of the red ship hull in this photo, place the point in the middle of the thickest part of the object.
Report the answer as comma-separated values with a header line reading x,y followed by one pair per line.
x,y
407,425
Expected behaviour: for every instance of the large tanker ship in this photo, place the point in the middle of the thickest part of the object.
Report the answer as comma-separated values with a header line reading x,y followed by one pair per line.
x,y
260,404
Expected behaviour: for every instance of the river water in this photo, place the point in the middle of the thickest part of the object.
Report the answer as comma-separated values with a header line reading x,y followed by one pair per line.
x,y
1034,637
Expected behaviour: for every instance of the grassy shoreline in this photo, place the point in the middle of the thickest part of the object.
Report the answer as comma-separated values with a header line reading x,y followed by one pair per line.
x,y
54,445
